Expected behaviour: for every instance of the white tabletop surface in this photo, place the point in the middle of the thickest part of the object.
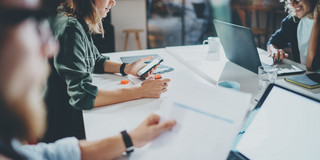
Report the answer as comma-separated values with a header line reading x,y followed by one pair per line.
x,y
110,120
194,65
222,69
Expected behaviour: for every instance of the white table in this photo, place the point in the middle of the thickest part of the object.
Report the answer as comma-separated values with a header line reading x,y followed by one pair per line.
x,y
110,120
194,66
214,71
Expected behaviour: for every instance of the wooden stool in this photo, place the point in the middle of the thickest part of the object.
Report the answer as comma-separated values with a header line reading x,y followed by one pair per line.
x,y
127,32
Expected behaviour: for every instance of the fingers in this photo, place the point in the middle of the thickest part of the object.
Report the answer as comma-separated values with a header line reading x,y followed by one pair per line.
x,y
146,59
164,90
165,80
165,126
152,70
153,88
152,119
286,55
149,73
282,53
165,85
160,81
151,78
279,55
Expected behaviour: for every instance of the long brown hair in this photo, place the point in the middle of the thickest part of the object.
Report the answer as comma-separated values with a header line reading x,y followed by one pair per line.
x,y
87,10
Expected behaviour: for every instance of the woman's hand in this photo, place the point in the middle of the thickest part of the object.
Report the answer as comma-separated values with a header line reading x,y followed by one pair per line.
x,y
276,54
134,67
152,88
149,129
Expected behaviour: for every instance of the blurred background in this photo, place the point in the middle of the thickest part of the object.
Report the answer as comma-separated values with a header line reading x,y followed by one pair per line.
x,y
146,24
189,22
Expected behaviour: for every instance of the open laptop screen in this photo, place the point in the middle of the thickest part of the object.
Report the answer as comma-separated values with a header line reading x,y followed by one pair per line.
x,y
287,126
240,48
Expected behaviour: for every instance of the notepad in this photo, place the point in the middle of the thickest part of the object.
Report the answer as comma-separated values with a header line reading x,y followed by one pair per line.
x,y
309,81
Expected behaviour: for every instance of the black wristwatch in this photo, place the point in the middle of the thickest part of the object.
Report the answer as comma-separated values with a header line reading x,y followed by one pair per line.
x,y
127,141
122,69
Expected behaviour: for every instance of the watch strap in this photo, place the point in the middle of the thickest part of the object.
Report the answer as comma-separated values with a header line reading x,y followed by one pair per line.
x,y
127,141
122,69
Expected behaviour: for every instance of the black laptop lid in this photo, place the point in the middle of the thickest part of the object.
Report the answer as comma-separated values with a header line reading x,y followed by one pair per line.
x,y
238,44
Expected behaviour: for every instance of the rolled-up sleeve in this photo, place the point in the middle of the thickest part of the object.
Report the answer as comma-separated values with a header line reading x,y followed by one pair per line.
x,y
67,148
71,65
99,62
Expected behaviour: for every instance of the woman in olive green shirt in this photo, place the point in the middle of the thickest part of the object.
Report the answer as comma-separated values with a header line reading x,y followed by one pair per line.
x,y
70,89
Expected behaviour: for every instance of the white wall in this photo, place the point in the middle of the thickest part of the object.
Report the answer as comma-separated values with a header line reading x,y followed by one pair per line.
x,y
129,14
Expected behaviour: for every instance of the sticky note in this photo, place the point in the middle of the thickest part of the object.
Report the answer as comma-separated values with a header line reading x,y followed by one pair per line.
x,y
124,81
157,76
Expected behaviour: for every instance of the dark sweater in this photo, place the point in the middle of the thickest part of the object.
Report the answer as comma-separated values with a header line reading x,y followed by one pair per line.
x,y
286,36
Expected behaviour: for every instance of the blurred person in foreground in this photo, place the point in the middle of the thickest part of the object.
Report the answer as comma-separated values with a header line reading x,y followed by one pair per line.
x,y
26,44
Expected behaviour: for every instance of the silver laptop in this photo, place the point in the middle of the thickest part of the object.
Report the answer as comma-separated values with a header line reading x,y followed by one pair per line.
x,y
240,48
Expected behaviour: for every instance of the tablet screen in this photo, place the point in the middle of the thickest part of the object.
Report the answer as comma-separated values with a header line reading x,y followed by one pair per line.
x,y
287,126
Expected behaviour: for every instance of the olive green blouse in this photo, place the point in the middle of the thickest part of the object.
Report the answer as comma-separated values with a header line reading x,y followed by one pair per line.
x,y
70,89
77,60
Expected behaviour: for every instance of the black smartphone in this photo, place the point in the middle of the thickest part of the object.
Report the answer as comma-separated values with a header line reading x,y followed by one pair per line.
x,y
149,66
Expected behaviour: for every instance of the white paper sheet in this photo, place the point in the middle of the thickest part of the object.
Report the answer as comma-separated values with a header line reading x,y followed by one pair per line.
x,y
206,123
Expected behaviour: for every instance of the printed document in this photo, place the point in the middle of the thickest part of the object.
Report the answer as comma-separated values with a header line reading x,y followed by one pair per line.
x,y
207,123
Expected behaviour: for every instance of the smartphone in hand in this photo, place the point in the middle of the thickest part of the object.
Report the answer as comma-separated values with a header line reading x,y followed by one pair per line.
x,y
149,66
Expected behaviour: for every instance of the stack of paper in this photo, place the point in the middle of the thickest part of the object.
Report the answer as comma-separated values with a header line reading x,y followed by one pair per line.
x,y
206,124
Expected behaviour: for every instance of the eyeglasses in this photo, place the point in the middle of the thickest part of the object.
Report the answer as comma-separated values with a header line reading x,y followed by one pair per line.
x,y
290,1
14,16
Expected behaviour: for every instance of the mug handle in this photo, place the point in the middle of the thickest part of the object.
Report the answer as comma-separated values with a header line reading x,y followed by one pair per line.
x,y
205,42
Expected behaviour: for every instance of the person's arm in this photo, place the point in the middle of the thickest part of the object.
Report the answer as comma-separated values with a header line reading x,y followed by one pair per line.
x,y
151,88
279,40
112,147
66,148
313,46
112,67
132,68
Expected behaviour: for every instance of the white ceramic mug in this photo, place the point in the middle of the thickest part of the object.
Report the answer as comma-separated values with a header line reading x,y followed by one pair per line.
x,y
213,44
